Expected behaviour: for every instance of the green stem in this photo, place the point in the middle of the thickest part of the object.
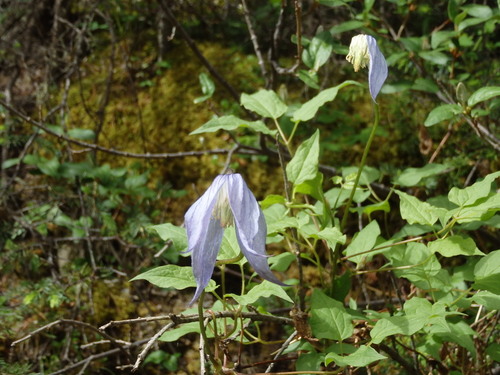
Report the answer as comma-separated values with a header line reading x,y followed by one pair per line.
x,y
206,346
282,135
295,126
202,325
361,166
236,259
336,252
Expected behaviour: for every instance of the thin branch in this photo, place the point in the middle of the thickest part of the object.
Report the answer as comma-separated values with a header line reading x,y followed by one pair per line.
x,y
276,36
397,357
64,321
110,150
85,362
181,319
197,52
281,350
150,343
255,42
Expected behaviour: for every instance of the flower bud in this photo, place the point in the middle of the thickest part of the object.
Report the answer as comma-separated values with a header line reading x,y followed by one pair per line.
x,y
358,52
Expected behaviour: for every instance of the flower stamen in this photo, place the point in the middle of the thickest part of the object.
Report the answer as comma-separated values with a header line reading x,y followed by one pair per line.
x,y
222,209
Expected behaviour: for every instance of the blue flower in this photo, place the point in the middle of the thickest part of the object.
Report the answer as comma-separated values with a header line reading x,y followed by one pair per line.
x,y
363,50
228,201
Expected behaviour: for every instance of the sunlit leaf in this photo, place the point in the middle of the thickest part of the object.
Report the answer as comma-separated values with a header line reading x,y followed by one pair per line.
x,y
265,289
442,113
172,276
304,165
484,93
329,319
265,103
308,110
360,358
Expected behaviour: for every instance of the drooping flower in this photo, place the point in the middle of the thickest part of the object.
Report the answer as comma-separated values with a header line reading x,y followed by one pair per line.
x,y
228,201
364,50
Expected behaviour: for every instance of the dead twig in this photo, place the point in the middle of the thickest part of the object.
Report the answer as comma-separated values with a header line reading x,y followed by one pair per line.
x,y
255,42
111,150
150,343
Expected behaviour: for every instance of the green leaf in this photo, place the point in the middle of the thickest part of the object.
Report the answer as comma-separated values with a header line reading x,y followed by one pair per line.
x,y
304,165
207,88
229,248
365,240
484,93
455,245
272,199
417,212
489,300
10,162
368,174
379,206
482,210
172,276
83,134
329,320
136,181
318,51
435,57
332,236
442,113
64,221
265,103
452,9
460,333
425,85
309,361
309,77
471,21
471,194
393,325
478,11
308,110
487,272
412,176
265,289
281,262
346,26
174,233
313,187
176,333
333,3
424,266
493,350
417,306
362,357
278,220
438,37
231,122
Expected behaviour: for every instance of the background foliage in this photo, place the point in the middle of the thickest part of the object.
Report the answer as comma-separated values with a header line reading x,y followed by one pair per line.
x,y
98,100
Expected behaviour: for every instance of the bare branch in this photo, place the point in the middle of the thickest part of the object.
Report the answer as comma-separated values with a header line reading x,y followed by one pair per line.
x,y
150,343
109,150
255,42
180,319
197,52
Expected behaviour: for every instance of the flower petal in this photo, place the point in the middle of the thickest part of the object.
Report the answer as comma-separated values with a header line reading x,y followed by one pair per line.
x,y
250,226
204,234
258,258
204,257
377,69
197,217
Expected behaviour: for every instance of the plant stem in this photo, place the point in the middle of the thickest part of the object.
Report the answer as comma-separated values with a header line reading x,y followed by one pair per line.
x,y
361,165
336,252
206,346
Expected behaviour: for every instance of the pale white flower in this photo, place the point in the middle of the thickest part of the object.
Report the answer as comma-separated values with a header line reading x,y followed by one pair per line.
x,y
363,51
